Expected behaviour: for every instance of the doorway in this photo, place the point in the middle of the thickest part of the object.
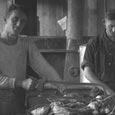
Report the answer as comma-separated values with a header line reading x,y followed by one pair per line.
x,y
31,10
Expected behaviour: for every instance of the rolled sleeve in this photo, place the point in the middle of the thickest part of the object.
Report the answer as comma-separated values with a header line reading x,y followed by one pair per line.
x,y
6,82
89,56
87,63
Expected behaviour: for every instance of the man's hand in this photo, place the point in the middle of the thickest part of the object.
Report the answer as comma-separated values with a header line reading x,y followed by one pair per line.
x,y
26,83
40,84
37,84
31,84
61,88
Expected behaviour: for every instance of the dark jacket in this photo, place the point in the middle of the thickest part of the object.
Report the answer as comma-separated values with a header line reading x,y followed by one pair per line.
x,y
100,57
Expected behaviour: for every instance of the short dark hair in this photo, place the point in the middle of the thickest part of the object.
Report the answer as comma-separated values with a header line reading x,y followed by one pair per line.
x,y
110,14
13,7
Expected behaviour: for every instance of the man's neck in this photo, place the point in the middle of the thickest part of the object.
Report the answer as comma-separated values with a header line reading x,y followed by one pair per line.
x,y
8,38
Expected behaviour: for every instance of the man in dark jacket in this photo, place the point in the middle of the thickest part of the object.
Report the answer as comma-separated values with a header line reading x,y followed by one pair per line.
x,y
99,58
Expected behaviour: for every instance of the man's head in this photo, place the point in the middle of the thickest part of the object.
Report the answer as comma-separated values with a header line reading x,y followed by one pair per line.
x,y
110,23
15,20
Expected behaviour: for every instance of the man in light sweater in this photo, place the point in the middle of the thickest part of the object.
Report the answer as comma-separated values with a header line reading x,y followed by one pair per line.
x,y
13,63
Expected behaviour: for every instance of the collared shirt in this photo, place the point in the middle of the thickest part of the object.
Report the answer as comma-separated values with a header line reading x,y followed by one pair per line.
x,y
100,57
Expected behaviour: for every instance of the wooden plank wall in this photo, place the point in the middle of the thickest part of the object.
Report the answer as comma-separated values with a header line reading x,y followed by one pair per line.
x,y
3,6
110,4
93,15
49,12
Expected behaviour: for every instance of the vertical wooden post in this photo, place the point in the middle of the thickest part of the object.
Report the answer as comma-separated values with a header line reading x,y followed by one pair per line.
x,y
75,11
74,33
110,4
92,17
92,22
77,21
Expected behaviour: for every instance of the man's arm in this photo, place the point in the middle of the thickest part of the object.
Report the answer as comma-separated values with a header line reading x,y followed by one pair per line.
x,y
89,74
11,83
40,65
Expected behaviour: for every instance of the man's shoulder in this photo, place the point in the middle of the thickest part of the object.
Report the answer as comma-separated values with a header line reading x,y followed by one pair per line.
x,y
95,43
95,40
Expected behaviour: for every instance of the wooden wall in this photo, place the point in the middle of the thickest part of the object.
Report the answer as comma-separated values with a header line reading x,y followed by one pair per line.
x,y
3,5
49,12
110,4
92,18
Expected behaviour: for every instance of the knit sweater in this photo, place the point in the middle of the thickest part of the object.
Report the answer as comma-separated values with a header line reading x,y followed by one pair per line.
x,y
13,63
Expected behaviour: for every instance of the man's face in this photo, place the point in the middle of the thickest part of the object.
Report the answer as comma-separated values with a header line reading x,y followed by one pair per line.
x,y
15,22
110,27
